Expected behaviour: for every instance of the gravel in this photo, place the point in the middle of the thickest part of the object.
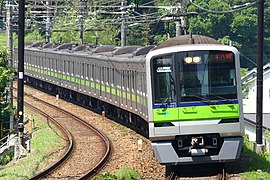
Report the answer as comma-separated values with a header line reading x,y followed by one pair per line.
x,y
126,152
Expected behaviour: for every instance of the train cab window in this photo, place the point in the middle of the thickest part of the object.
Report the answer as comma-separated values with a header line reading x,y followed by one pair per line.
x,y
207,75
163,80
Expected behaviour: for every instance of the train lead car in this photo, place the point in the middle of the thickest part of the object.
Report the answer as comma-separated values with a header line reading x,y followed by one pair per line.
x,y
194,101
184,94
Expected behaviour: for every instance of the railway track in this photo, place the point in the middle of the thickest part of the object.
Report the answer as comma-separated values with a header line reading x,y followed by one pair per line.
x,y
213,172
88,149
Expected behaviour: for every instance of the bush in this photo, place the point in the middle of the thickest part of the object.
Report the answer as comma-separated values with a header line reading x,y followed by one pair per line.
x,y
6,159
120,174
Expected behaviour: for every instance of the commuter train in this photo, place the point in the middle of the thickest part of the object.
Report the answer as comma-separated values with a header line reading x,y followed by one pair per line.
x,y
184,94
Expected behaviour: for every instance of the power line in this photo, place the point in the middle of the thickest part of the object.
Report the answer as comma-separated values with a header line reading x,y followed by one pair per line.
x,y
244,6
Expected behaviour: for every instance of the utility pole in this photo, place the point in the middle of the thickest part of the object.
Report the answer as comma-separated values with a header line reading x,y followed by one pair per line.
x,y
10,41
260,50
180,24
81,21
48,23
123,25
21,69
10,49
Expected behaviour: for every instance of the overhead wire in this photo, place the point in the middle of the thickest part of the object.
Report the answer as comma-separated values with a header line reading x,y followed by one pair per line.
x,y
244,6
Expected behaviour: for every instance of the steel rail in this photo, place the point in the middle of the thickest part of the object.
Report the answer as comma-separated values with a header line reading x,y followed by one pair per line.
x,y
67,154
92,172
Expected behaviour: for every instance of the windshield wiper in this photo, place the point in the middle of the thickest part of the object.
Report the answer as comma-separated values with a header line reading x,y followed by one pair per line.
x,y
200,98
223,98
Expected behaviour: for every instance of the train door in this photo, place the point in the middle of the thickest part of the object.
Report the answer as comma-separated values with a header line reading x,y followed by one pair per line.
x,y
26,65
139,93
67,74
84,75
132,96
41,67
55,79
101,82
122,89
49,69
97,76
34,60
92,80
31,64
60,71
87,78
45,66
78,76
113,86
56,66
128,105
64,77
144,94
35,70
111,77
116,85
136,90
72,75
81,76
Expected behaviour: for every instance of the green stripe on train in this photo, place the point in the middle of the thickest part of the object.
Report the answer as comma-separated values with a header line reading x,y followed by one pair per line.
x,y
224,111
104,88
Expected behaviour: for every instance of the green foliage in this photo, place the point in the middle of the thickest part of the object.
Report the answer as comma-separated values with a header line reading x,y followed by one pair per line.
x,y
213,25
106,176
243,71
120,174
267,134
256,166
127,174
5,77
34,36
44,144
245,86
6,159
139,35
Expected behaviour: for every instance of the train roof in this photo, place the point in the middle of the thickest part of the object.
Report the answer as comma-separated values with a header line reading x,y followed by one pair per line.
x,y
187,39
103,49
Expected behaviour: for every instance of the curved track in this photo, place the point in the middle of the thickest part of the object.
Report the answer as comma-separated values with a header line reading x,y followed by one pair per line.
x,y
88,152
206,171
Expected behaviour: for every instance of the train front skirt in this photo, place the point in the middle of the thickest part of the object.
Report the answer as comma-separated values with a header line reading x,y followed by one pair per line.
x,y
229,151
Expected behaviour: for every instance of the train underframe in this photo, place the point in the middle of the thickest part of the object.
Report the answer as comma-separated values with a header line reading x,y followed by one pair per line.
x,y
113,112
198,149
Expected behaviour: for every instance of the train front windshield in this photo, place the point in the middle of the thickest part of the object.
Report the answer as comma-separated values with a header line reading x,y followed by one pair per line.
x,y
194,76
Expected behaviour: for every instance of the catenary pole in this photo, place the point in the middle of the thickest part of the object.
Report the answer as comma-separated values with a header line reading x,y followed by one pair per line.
x,y
10,43
9,30
123,25
260,47
21,68
48,23
81,21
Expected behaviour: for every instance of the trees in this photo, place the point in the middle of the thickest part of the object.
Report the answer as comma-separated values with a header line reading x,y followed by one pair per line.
x,y
5,77
240,27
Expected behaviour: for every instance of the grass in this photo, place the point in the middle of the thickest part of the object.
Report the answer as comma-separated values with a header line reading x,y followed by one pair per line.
x,y
44,142
255,166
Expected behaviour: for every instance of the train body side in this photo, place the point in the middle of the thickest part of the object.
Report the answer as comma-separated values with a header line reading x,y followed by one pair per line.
x,y
118,81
